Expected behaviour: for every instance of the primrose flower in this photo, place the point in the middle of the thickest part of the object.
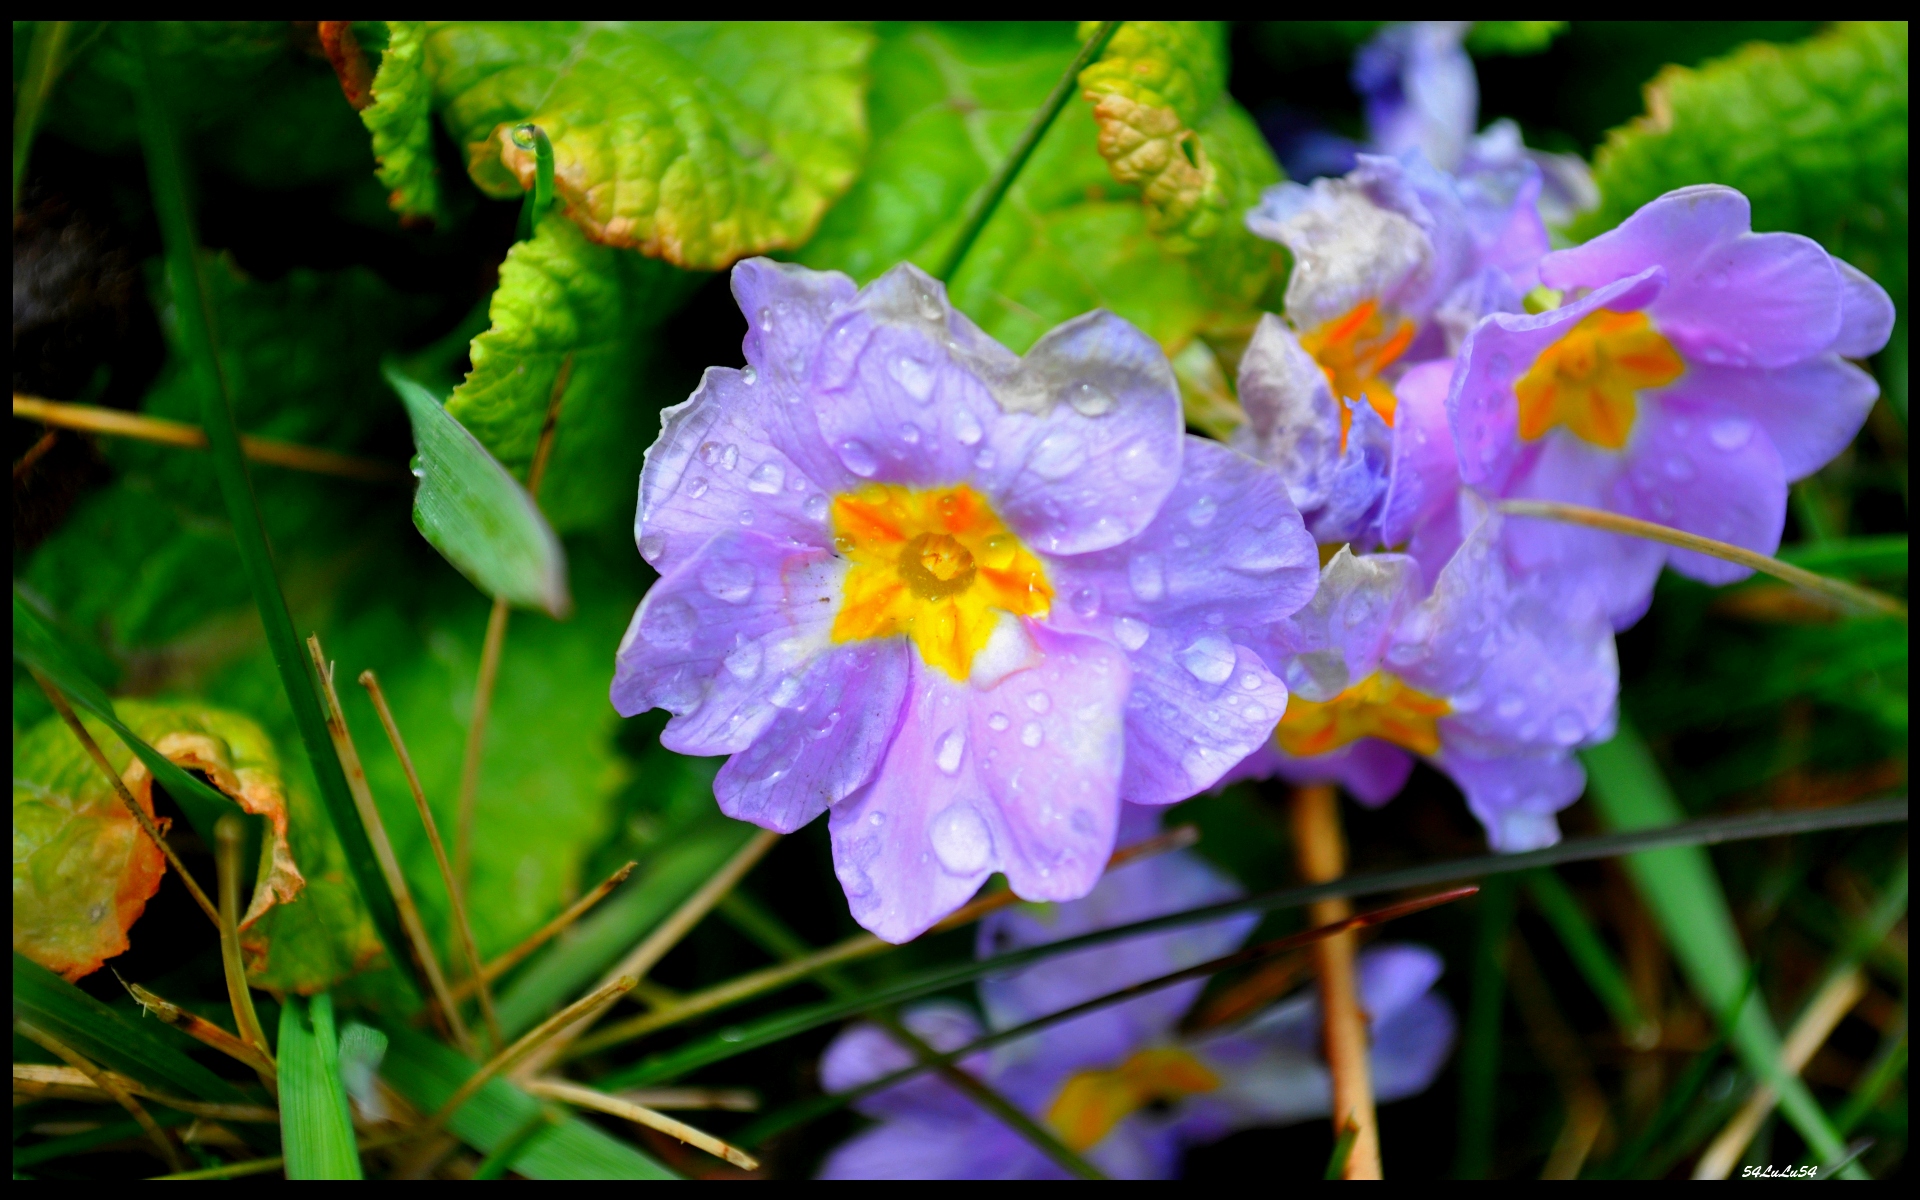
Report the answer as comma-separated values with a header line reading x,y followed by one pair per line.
x,y
965,600
1492,679
1695,370
1122,1085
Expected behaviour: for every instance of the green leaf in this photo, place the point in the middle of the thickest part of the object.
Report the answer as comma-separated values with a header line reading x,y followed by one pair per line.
x,y
948,104
1815,134
1488,39
1684,894
694,141
316,1130
476,514
427,1074
567,303
401,122
113,1041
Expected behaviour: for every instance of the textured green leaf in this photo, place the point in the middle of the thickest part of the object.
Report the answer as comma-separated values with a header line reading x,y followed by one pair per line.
x,y
947,105
565,302
476,514
427,1073
1489,38
1815,134
698,142
316,1130
401,122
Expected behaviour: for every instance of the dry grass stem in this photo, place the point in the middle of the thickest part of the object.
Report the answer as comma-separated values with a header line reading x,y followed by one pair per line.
x,y
60,705
265,1166
202,1030
1809,1033
586,1097
107,1084
512,958
424,958
1853,595
229,835
1561,1051
35,452
687,1098
92,419
1322,851
44,1080
455,895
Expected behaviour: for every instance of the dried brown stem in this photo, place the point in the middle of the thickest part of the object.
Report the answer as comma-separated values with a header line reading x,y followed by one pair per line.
x,y
455,899
586,1097
263,1166
60,705
229,836
423,956
106,1083
727,1099
202,1030
70,1083
35,453
540,937
1322,852
92,419
1561,1051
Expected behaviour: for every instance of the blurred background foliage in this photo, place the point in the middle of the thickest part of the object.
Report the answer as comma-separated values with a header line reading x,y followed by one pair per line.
x,y
852,148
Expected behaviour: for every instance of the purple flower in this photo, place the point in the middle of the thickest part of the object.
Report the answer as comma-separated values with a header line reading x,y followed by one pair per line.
x,y
1494,679
1696,370
1419,90
950,593
1121,1084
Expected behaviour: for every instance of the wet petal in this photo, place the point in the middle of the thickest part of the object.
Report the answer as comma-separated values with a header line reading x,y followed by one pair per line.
x,y
1372,771
1810,410
1712,471
1866,314
1425,475
1339,637
1293,421
1516,795
863,1053
1618,571
975,1146
1346,247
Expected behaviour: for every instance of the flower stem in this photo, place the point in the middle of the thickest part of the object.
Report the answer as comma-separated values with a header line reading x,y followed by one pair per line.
x,y
981,210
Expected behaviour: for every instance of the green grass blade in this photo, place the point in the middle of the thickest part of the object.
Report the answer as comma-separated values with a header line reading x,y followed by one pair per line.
x,y
316,1132
476,514
569,967
503,1157
1596,963
1882,557
1884,1072
129,1047
1681,888
106,1135
193,306
1480,1047
427,1073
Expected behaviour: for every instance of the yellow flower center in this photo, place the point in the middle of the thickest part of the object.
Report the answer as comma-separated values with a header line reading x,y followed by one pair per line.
x,y
1091,1103
936,565
1591,378
1379,706
1353,349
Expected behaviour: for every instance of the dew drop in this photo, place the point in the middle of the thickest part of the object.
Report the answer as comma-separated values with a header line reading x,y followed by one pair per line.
x,y
744,662
1730,433
876,819
696,487
1144,575
914,376
910,433
1201,764
815,507
727,580
746,516
1250,681
858,458
1679,468
998,722
1510,705
1031,735
1086,602
952,746
1131,633
1090,401
766,479
668,624
984,460
1254,713
1201,512
1210,659
1039,702
1057,456
651,545
750,375
1567,729
785,692
960,840
966,428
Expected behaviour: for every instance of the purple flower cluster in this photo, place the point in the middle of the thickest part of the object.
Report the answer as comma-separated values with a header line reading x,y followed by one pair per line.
x,y
1122,1085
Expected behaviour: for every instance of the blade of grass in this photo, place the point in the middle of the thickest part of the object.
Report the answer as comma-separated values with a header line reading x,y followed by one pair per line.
x,y
1342,1151
101,1080
315,1127
1863,599
512,958
1558,1048
104,1036
806,1110
229,838
1681,888
194,310
1705,832
424,959
92,418
1882,1074
92,1139
501,1158
586,1097
69,1083
1595,962
46,57
455,893
980,210
1480,1048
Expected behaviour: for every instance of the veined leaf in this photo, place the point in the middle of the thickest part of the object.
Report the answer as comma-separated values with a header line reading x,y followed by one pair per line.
x,y
316,1131
1681,888
694,141
129,1047
565,303
1815,134
401,122
428,1073
477,515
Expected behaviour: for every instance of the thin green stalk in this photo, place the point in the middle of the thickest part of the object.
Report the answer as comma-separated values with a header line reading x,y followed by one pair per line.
x,y
1480,1048
44,63
501,1160
194,308
532,137
981,210
1342,1150
1884,1072
1596,963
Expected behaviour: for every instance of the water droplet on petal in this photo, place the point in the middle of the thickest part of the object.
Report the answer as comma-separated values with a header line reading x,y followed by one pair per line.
x,y
998,722
744,661
750,375
1202,764
1145,576
1058,455
952,746
1567,729
1086,602
1730,433
1201,512
1254,713
696,487
727,580
1089,401
1209,659
1130,633
1031,735
668,624
815,507
914,376
966,428
1511,705
876,819
785,692
766,479
910,433
858,458
1039,702
1679,468
651,546
984,460
960,840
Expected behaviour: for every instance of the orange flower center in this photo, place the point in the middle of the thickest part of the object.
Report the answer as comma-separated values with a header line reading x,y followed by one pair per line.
x,y
1091,1103
1590,380
1379,706
936,565
1353,349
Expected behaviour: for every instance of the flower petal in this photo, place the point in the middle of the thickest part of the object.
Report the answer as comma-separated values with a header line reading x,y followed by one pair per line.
x,y
1199,705
1811,410
1618,571
1293,421
974,1146
863,1053
1866,314
1516,795
1339,637
1712,471
823,744
1372,771
1347,248
1425,475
